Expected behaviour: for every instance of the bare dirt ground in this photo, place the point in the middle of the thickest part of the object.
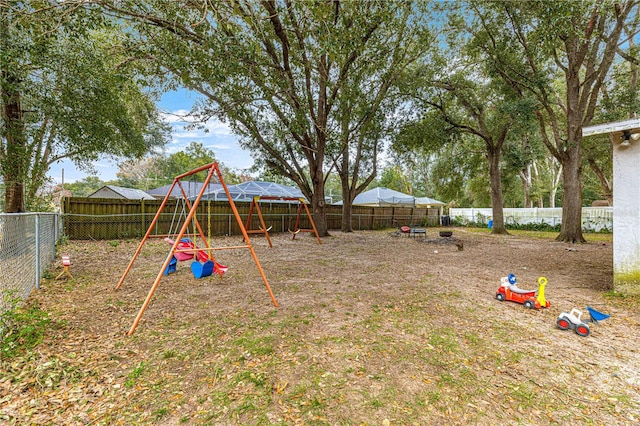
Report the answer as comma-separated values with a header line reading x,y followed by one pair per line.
x,y
372,329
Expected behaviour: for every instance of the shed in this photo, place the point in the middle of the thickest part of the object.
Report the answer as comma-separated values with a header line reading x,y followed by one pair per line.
x,y
625,137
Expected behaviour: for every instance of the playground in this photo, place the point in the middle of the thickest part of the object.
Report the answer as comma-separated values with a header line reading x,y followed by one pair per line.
x,y
371,328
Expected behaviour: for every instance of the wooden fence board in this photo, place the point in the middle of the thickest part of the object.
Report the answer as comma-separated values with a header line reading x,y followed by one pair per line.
x,y
108,218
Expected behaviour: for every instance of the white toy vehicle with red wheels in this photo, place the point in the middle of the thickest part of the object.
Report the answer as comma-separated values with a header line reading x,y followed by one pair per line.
x,y
574,320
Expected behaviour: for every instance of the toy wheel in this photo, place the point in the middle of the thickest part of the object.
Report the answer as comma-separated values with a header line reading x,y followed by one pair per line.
x,y
500,297
563,323
583,329
529,304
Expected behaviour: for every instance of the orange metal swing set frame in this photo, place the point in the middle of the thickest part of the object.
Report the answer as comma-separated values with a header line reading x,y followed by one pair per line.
x,y
255,204
212,169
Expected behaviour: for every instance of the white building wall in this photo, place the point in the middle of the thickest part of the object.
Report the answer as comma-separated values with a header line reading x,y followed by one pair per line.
x,y
626,218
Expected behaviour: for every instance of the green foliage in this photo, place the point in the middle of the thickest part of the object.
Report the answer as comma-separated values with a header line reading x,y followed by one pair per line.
x,y
170,353
159,170
394,177
82,89
160,413
84,187
193,156
510,80
135,374
42,201
306,85
541,226
22,327
560,54
63,241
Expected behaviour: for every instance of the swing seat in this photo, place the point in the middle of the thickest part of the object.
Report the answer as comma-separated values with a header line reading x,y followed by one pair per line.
x,y
171,267
202,269
184,243
183,256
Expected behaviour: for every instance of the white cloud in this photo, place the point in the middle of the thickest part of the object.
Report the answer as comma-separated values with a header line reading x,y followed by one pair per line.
x,y
214,135
177,116
178,119
217,127
221,146
188,134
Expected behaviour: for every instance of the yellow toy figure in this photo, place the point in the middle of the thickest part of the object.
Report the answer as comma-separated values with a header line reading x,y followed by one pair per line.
x,y
542,283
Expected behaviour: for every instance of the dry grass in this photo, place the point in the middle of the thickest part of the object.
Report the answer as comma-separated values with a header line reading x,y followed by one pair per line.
x,y
371,329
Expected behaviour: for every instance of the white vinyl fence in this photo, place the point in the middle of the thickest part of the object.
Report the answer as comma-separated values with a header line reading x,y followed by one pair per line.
x,y
27,248
594,219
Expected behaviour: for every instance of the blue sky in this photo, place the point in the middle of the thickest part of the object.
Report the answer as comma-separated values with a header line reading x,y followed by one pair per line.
x,y
174,106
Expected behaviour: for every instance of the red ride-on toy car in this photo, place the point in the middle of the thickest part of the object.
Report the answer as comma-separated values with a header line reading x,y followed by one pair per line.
x,y
529,298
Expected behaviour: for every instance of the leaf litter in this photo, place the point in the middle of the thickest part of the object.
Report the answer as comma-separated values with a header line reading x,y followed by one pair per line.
x,y
371,329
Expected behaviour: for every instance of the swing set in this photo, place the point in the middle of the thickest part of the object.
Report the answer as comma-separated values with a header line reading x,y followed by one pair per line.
x,y
184,248
202,266
255,204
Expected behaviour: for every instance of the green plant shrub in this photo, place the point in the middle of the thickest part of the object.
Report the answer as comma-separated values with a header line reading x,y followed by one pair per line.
x,y
540,226
22,326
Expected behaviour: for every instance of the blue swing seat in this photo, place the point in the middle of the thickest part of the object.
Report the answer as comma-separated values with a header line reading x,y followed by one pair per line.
x,y
171,267
202,269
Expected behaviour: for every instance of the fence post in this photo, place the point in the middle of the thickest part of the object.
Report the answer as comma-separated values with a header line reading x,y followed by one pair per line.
x,y
37,251
142,210
56,235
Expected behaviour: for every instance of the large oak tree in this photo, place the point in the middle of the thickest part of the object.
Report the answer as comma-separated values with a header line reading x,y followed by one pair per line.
x,y
67,91
305,84
559,53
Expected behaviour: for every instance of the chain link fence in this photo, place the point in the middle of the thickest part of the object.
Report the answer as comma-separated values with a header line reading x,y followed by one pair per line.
x,y
27,248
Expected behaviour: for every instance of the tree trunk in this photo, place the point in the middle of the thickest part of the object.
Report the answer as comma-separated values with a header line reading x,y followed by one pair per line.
x,y
493,157
571,230
607,190
318,207
527,184
13,163
347,211
348,195
555,181
14,197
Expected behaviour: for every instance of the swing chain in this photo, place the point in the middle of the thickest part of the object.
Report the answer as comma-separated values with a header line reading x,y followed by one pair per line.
x,y
209,223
